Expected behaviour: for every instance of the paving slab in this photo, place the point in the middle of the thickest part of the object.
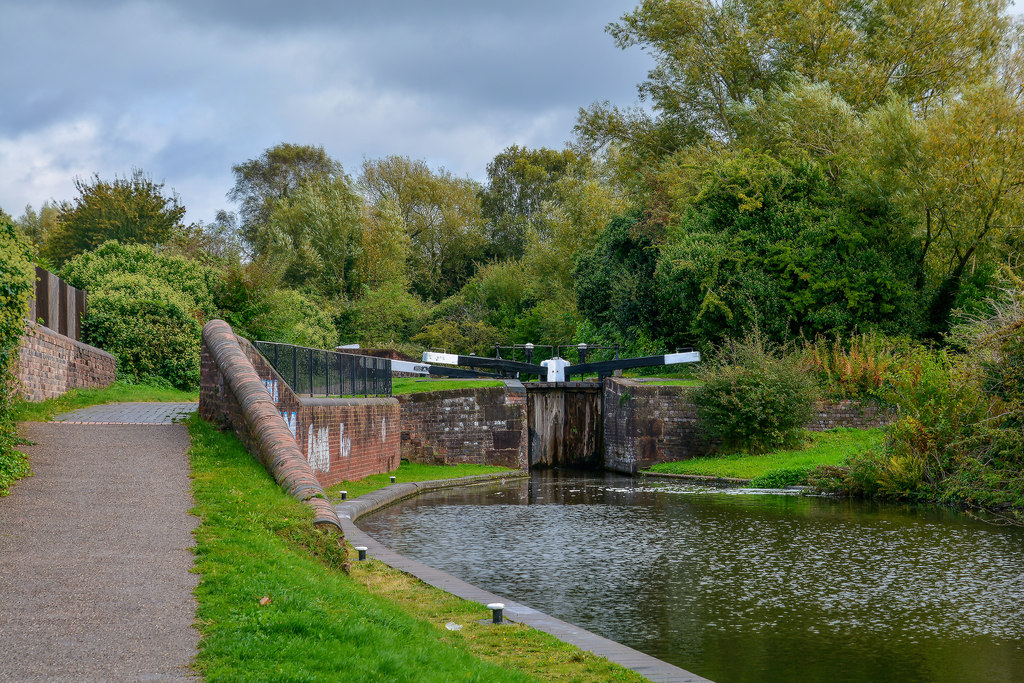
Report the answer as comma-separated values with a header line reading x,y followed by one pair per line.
x,y
95,559
130,413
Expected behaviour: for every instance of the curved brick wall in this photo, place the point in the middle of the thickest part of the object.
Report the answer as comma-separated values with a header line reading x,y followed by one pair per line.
x,y
235,395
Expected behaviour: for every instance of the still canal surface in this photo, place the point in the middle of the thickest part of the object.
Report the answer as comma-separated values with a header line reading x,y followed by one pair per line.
x,y
737,587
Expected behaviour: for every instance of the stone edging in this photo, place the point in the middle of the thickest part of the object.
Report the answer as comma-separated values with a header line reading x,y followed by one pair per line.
x,y
652,668
275,444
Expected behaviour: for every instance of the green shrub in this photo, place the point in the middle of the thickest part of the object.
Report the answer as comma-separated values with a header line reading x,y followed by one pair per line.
x,y
92,269
17,279
861,367
781,478
387,315
753,396
148,326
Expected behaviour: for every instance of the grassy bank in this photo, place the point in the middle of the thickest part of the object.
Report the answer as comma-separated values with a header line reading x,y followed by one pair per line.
x,y
42,411
823,448
411,385
410,471
255,544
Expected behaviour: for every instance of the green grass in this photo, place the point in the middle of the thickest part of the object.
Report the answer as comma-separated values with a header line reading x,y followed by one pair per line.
x,y
43,411
410,471
672,383
823,448
321,624
411,385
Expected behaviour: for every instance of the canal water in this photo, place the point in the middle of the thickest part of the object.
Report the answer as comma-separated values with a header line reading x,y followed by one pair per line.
x,y
737,586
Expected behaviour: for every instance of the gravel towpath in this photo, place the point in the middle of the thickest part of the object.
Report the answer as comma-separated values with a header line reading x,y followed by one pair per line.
x,y
95,559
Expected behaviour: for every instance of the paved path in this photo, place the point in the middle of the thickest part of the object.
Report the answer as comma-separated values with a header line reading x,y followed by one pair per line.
x,y
94,554
130,413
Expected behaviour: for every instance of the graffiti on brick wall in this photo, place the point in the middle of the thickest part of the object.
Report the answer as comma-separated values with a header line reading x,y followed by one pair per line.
x,y
292,421
271,385
319,449
383,430
344,442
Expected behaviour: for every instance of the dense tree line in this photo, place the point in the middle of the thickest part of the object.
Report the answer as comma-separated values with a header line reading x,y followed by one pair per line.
x,y
810,169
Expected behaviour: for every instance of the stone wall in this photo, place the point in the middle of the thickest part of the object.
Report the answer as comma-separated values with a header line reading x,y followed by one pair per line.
x,y
340,439
482,425
50,364
648,423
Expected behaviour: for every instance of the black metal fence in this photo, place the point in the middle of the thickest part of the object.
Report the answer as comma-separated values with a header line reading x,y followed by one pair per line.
x,y
316,372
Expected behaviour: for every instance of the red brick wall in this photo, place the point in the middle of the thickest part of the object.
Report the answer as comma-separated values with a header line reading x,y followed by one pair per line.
x,y
341,439
50,364
485,425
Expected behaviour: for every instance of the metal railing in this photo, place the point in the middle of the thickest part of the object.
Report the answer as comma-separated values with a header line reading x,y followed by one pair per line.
x,y
316,372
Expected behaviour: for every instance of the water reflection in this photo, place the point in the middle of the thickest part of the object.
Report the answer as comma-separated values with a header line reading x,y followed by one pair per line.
x,y
738,587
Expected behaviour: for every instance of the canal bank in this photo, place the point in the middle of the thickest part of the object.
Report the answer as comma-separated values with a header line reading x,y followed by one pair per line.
x,y
350,511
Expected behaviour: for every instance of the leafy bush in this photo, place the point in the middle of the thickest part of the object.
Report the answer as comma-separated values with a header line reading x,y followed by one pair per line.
x,y
858,368
148,326
17,279
92,269
753,396
386,315
781,478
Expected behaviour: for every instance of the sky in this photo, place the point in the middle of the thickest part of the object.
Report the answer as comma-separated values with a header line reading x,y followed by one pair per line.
x,y
185,89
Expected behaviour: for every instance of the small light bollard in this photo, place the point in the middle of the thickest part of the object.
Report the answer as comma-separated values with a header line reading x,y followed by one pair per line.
x,y
361,549
392,480
497,609
344,495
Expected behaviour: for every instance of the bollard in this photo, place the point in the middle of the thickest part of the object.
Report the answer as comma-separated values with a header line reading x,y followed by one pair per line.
x,y
496,612
392,480
344,495
361,549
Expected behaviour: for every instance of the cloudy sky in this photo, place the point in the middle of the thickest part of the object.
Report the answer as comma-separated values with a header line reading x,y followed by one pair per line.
x,y
185,89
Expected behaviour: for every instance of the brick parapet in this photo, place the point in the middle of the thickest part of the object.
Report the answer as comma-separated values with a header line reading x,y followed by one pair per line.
x,y
648,423
237,391
50,364
484,425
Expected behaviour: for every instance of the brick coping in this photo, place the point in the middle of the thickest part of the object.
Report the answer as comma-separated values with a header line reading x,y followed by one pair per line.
x,y
650,667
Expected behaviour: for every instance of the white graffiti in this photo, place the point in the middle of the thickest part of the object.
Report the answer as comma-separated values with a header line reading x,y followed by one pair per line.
x,y
271,385
383,430
319,447
292,421
344,443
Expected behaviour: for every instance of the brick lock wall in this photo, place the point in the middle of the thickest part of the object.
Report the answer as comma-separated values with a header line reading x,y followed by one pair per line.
x,y
341,439
482,425
646,424
49,364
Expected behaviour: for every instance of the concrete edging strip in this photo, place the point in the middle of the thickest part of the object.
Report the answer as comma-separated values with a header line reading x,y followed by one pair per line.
x,y
275,444
704,478
650,667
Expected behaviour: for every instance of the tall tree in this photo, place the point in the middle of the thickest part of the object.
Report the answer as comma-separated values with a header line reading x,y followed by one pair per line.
x,y
273,176
132,209
440,214
37,224
520,180
314,233
712,56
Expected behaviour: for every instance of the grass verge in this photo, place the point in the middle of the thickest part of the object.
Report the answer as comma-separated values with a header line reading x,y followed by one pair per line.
x,y
43,411
401,386
255,544
410,471
823,448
